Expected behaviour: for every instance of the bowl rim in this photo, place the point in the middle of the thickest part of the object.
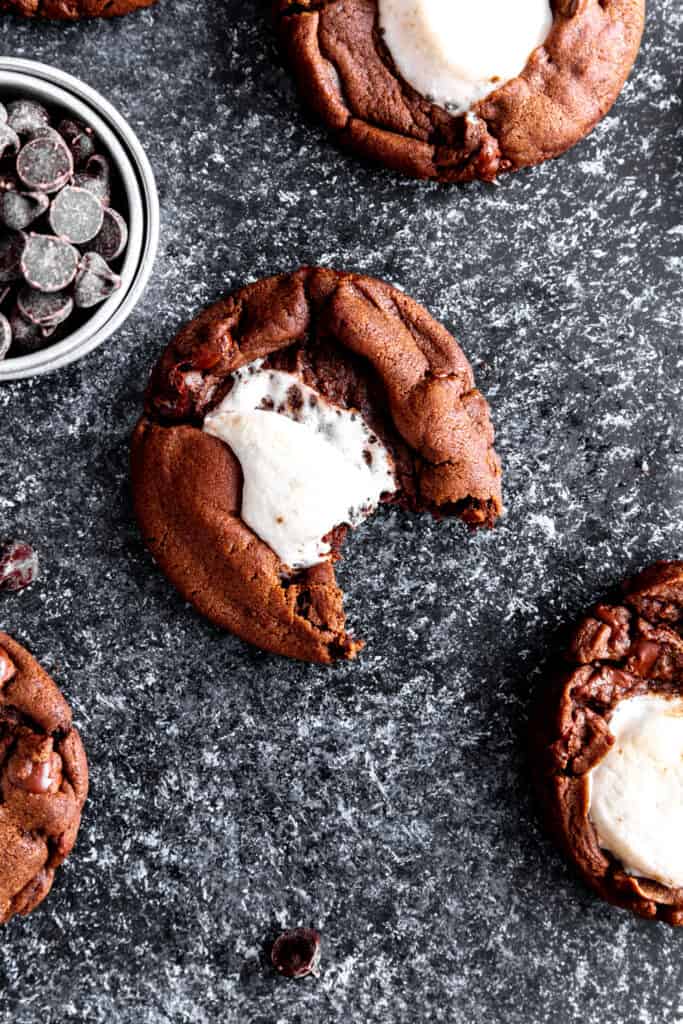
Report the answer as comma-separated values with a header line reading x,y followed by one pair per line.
x,y
141,192
72,105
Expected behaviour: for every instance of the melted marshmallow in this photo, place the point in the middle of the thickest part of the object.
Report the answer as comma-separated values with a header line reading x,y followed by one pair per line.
x,y
636,791
308,465
456,52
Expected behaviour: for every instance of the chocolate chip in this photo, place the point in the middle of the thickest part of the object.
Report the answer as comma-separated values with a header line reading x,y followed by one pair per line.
x,y
79,139
42,309
96,178
297,952
95,281
113,237
48,264
97,186
99,167
12,245
45,132
9,182
18,565
9,141
5,336
45,164
19,209
33,775
76,215
25,116
26,337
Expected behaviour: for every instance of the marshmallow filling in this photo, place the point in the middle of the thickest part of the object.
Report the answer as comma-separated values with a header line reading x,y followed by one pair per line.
x,y
456,52
636,790
308,465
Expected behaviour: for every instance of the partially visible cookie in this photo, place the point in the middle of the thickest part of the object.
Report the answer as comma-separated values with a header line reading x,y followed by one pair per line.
x,y
71,10
282,416
460,91
43,781
609,746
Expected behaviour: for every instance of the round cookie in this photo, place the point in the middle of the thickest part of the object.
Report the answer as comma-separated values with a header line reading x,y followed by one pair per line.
x,y
361,354
339,53
71,10
609,747
43,779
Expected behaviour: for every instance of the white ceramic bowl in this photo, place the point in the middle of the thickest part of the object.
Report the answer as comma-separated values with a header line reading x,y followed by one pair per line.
x,y
56,89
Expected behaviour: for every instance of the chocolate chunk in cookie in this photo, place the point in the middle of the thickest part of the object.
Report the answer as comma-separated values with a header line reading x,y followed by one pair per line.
x,y
43,781
281,417
609,746
460,91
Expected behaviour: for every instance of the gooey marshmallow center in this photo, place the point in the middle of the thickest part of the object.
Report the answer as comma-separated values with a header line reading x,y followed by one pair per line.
x,y
308,465
456,52
636,791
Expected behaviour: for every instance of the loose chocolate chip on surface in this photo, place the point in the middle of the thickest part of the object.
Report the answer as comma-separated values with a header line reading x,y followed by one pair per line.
x,y
76,215
19,209
297,952
5,336
95,281
48,264
45,164
18,565
26,116
44,310
11,247
113,236
9,141
79,139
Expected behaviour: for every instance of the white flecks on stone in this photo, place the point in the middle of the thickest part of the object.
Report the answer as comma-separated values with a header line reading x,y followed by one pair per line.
x,y
455,52
308,465
443,901
636,790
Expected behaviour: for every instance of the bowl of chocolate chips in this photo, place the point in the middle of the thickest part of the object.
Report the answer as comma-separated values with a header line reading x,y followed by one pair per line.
x,y
79,219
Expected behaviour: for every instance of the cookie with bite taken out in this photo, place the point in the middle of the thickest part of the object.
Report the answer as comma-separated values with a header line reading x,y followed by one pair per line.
x,y
283,416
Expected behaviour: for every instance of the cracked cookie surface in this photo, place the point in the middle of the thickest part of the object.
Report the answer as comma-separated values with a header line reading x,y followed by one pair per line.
x,y
71,10
43,780
344,71
363,346
626,650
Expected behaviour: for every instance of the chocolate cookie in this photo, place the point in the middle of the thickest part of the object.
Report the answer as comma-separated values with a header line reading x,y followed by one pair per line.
x,y
283,415
455,91
610,746
71,10
43,780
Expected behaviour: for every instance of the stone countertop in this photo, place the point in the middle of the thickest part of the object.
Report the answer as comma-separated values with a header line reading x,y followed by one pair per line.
x,y
386,802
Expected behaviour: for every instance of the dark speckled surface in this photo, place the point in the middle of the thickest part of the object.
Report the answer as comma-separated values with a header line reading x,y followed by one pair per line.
x,y
385,802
